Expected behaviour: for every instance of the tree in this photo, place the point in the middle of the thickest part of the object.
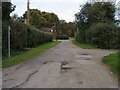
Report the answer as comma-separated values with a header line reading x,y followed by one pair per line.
x,y
66,28
15,17
42,19
7,8
90,13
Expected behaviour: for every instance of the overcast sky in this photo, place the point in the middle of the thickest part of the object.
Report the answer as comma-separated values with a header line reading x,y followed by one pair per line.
x,y
65,9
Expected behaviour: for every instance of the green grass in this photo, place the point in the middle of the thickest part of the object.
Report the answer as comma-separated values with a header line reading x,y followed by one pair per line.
x,y
113,61
83,45
28,55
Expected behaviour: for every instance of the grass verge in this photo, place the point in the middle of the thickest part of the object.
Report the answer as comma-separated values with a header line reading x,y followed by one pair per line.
x,y
29,54
113,61
83,45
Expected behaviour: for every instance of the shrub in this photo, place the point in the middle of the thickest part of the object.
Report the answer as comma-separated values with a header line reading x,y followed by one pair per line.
x,y
103,35
80,37
62,37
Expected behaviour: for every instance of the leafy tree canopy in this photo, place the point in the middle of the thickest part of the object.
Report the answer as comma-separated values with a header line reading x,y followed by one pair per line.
x,y
42,19
7,8
97,12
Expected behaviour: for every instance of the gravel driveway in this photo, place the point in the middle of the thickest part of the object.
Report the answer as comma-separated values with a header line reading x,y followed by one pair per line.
x,y
64,66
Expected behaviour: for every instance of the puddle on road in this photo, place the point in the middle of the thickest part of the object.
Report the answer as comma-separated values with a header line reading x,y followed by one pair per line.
x,y
65,67
45,63
64,63
84,54
80,82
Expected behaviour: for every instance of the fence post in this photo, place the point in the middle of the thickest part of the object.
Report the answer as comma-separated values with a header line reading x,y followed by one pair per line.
x,y
9,41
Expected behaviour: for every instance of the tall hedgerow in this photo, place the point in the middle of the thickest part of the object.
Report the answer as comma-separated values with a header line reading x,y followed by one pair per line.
x,y
23,36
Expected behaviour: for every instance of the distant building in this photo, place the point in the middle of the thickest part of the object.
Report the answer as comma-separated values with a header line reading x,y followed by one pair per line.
x,y
50,30
47,29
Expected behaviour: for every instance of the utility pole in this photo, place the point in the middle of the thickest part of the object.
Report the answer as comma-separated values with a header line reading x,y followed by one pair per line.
x,y
28,12
9,29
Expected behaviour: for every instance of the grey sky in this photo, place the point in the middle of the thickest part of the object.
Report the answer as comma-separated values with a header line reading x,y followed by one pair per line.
x,y
65,9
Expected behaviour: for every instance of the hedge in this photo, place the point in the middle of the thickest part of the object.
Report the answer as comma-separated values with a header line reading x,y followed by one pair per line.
x,y
103,35
62,37
23,36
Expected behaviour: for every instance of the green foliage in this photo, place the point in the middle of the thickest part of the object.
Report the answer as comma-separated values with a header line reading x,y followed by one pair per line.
x,y
29,54
113,61
18,35
95,24
95,13
66,28
42,19
103,35
23,36
84,45
7,8
15,17
80,36
4,37
36,37
62,37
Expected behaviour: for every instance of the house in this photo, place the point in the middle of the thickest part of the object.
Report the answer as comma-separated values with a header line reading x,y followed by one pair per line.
x,y
50,30
47,29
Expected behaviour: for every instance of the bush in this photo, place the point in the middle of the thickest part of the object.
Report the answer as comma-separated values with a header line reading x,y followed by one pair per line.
x,y
80,37
103,35
62,37
23,36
